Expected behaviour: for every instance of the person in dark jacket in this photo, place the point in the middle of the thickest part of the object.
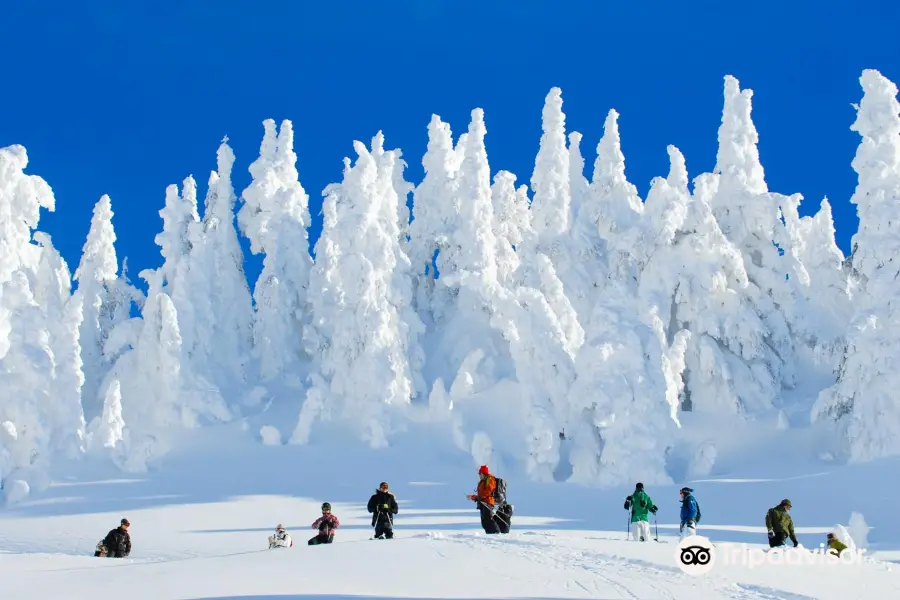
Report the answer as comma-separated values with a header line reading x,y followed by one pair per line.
x,y
118,541
780,525
327,524
383,506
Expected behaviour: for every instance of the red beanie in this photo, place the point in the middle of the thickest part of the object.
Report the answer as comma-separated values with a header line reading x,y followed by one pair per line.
x,y
483,470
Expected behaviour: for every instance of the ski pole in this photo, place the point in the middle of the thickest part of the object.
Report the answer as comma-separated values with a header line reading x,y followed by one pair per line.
x,y
656,527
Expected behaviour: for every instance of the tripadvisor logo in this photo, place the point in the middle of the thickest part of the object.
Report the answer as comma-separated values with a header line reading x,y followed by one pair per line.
x,y
696,555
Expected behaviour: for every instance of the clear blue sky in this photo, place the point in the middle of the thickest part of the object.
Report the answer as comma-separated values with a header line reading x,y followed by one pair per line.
x,y
125,98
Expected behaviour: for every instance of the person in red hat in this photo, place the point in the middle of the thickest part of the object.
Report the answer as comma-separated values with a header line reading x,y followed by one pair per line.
x,y
492,521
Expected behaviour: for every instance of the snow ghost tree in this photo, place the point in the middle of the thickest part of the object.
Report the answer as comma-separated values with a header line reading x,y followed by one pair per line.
x,y
750,217
105,301
864,399
40,404
220,301
364,326
275,217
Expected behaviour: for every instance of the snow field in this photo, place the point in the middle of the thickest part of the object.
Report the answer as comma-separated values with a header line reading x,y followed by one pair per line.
x,y
199,529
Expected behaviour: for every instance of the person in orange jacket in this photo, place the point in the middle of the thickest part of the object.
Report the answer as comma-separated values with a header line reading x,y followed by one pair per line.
x,y
487,503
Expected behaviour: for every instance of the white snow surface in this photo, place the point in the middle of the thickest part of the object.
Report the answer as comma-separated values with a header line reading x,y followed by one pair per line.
x,y
199,531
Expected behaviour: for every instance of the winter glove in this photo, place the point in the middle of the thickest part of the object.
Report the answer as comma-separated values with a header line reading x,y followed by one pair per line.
x,y
771,533
627,502
796,543
653,509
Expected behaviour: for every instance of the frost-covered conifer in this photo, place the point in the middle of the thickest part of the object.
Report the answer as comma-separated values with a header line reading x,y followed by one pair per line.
x,y
864,399
222,308
275,217
363,322
751,218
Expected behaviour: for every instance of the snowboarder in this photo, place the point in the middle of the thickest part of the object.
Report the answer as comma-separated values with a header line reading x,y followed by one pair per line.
x,y
780,525
690,513
280,539
640,505
117,543
490,495
834,545
383,506
326,524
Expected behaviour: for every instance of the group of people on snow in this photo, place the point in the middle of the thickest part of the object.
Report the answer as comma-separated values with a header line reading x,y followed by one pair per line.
x,y
496,518
779,524
641,507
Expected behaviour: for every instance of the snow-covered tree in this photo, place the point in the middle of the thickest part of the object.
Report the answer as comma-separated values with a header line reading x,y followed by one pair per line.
x,y
751,218
40,409
107,430
462,209
105,301
63,316
275,217
363,322
864,400
220,346
435,209
821,309
624,402
150,379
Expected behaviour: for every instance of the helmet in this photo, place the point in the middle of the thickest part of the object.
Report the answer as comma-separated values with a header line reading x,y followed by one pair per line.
x,y
786,503
639,486
483,470
280,527
326,506
124,522
685,490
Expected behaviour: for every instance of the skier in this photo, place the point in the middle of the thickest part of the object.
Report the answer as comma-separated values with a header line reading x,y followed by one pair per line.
x,y
117,543
835,546
780,525
640,505
490,495
326,524
383,506
280,539
690,513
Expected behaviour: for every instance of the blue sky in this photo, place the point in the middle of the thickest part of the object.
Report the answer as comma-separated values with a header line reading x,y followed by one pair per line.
x,y
125,100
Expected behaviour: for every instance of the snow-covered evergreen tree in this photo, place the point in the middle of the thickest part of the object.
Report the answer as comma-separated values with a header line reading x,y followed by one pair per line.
x,y
864,399
40,409
275,217
363,323
220,346
105,301
750,217
461,208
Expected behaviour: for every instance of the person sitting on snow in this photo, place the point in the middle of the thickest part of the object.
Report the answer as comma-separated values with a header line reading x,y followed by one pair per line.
x,y
834,545
780,525
326,524
495,516
641,506
383,506
117,543
281,538
690,513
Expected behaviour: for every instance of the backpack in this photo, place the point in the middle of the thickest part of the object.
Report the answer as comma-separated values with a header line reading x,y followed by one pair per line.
x,y
500,492
697,504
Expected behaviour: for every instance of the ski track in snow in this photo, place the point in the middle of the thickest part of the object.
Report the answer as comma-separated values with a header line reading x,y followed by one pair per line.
x,y
629,578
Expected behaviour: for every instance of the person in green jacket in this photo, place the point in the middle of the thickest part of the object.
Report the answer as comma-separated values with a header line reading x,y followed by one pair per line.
x,y
835,546
780,525
640,505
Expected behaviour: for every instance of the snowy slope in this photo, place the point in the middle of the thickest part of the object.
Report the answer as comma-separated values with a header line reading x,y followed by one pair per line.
x,y
199,529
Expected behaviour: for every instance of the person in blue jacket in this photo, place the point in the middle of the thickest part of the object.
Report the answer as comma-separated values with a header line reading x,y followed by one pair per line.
x,y
690,513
